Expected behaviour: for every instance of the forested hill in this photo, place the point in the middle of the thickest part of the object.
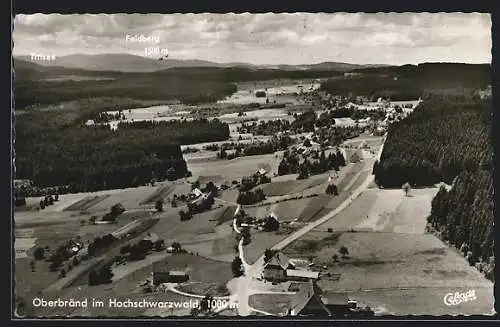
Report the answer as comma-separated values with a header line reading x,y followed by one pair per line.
x,y
448,138
409,82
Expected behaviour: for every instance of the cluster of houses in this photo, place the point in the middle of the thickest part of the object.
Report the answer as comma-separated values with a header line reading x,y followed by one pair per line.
x,y
162,274
75,246
309,299
281,268
196,196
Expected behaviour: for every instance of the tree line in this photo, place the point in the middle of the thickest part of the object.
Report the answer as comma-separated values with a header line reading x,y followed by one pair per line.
x,y
318,164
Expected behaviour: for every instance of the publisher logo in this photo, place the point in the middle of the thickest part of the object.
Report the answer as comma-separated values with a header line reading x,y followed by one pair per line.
x,y
459,297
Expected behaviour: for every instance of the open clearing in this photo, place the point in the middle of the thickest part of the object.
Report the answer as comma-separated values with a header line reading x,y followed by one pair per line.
x,y
280,188
225,171
389,253
129,197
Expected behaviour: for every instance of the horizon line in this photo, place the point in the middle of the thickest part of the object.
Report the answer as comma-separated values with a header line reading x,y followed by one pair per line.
x,y
252,64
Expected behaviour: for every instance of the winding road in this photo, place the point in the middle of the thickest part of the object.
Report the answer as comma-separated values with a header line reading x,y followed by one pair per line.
x,y
243,289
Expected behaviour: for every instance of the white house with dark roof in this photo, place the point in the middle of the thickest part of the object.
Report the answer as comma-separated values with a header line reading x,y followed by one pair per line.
x,y
195,193
281,268
261,172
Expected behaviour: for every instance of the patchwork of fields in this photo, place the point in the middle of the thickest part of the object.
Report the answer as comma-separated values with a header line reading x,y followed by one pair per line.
x,y
389,255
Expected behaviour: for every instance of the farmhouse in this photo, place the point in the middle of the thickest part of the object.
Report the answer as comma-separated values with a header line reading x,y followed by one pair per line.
x,y
311,301
261,172
197,201
276,268
90,122
195,193
337,303
152,237
307,302
282,268
161,274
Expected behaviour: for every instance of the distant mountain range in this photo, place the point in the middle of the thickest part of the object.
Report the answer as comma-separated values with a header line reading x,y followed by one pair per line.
x,y
136,64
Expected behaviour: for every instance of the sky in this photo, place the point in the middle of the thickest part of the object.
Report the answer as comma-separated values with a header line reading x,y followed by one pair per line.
x,y
301,38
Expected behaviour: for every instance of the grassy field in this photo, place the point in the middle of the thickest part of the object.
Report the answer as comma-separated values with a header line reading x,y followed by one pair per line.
x,y
86,203
389,253
300,210
280,188
159,194
225,171
129,198
260,242
206,276
276,304
226,215
52,230
222,248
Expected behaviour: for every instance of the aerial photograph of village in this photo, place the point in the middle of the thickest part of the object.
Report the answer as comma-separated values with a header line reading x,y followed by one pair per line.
x,y
252,165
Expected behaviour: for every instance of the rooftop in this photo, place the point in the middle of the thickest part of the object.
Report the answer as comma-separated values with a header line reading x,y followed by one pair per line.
x,y
302,273
329,298
280,260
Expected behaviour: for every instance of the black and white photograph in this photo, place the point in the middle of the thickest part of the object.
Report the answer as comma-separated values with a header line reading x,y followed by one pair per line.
x,y
305,165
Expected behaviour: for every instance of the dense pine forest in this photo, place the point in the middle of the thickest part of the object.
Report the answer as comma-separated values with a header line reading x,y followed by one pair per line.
x,y
90,159
409,82
448,139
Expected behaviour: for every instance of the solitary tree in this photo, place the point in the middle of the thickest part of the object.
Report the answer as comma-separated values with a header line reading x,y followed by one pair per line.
x,y
39,253
176,246
93,277
117,210
406,188
245,232
159,205
335,258
270,224
92,219
105,274
332,189
343,251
